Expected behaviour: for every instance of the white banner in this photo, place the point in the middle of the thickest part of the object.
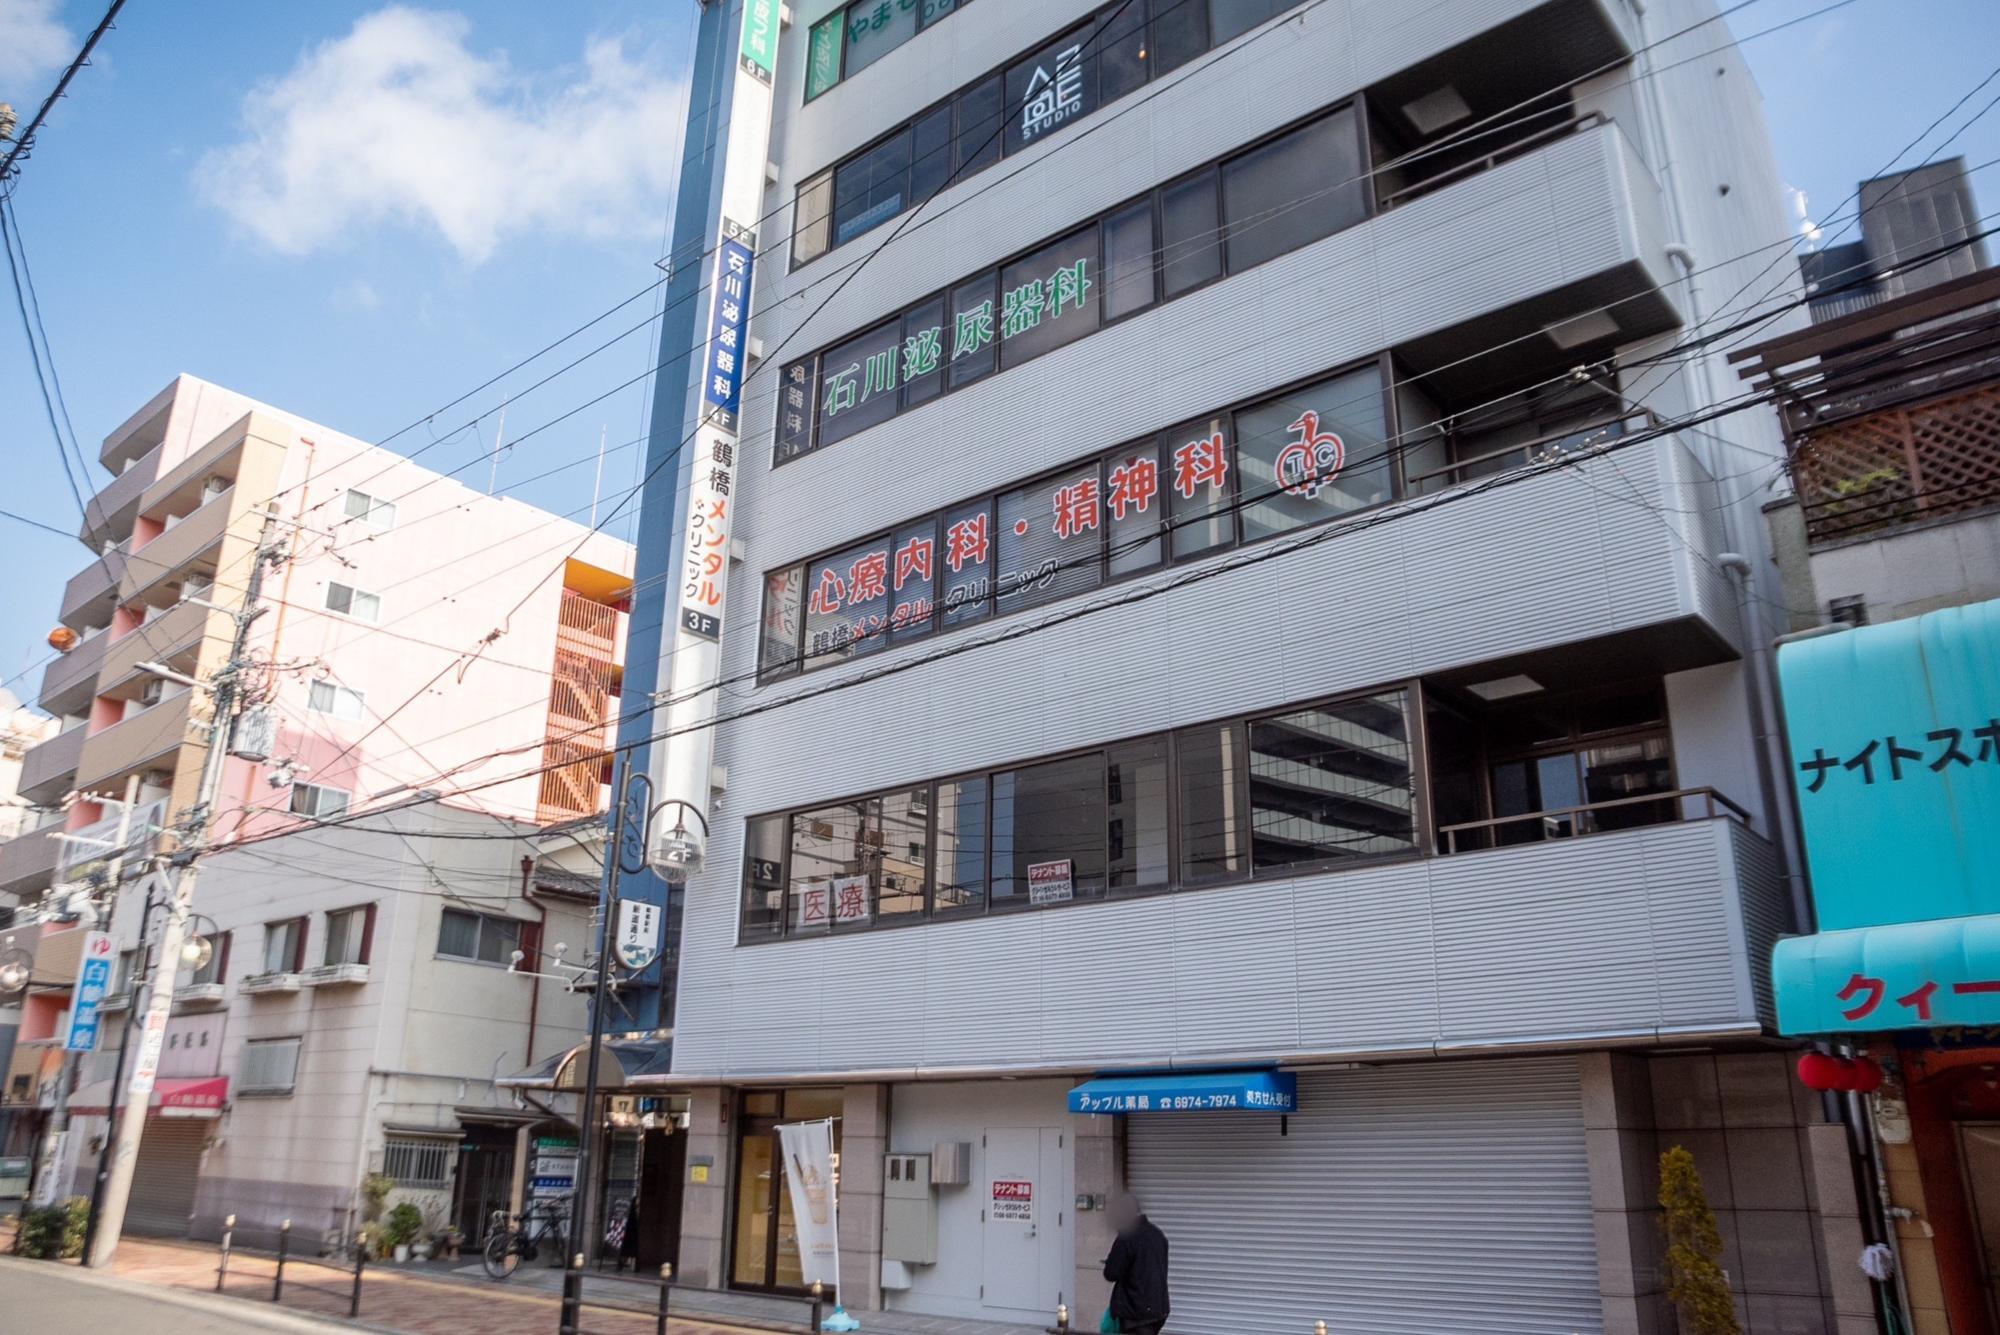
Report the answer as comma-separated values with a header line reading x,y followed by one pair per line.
x,y
808,1148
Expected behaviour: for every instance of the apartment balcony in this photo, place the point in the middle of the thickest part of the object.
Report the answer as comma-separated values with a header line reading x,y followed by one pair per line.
x,y
143,740
109,514
70,679
271,984
28,861
336,975
1632,935
49,770
172,638
189,547
199,996
90,596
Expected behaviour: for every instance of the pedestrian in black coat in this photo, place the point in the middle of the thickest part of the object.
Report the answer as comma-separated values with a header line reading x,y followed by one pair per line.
x,y
1137,1269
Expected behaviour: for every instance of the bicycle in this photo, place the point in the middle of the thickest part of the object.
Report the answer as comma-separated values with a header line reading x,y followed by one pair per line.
x,y
523,1240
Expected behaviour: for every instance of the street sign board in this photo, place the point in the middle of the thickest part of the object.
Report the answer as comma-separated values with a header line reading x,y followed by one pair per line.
x,y
151,1040
638,933
86,1001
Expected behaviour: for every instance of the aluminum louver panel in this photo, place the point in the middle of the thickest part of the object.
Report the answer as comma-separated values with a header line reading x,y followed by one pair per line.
x,y
163,1181
1409,1199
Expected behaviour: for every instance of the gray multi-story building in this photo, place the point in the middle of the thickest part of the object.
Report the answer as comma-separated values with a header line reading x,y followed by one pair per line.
x,y
1903,218
1253,604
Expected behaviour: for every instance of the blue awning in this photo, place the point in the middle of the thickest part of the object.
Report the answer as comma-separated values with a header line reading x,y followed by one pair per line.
x,y
1247,1091
1907,975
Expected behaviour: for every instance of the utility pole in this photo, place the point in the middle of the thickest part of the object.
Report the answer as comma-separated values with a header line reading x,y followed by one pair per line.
x,y
52,1141
137,1095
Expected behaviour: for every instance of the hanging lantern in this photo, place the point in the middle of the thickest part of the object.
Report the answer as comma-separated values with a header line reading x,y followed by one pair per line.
x,y
1818,1070
1866,1076
62,639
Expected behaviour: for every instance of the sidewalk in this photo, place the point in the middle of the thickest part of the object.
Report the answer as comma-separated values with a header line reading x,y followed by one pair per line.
x,y
451,1300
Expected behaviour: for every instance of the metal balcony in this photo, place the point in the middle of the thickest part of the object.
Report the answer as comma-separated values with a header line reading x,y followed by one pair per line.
x,y
48,771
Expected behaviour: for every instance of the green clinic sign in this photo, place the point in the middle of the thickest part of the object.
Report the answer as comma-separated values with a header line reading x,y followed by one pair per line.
x,y
760,38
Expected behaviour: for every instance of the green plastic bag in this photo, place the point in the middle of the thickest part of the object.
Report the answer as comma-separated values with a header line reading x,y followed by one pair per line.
x,y
1108,1324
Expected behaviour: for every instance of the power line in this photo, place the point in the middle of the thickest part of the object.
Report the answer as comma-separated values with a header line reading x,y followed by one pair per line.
x,y
24,141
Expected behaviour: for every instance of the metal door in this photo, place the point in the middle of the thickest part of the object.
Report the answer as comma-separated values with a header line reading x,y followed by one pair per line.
x,y
1443,1197
1027,1256
164,1177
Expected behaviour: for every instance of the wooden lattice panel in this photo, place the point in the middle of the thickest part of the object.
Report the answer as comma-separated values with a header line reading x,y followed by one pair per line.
x,y
1922,462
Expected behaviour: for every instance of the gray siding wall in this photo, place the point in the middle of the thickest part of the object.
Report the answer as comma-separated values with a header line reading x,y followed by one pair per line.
x,y
1618,935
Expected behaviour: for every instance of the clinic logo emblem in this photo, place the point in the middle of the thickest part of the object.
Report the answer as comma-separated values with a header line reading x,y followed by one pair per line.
x,y
1313,460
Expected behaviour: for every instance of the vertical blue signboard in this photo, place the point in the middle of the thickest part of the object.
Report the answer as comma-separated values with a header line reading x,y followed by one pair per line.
x,y
729,314
86,1006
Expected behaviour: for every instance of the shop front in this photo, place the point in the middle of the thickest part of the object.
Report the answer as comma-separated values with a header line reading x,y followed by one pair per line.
x,y
1894,733
764,1252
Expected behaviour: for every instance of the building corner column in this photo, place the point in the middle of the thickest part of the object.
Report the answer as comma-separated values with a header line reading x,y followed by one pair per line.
x,y
1100,1171
1623,1156
711,1158
864,1140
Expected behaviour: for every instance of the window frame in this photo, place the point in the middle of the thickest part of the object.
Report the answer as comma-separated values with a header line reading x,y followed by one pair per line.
x,y
1353,106
375,506
801,662
354,592
340,692
245,1089
1421,841
522,936
839,15
292,805
418,1151
302,925
364,948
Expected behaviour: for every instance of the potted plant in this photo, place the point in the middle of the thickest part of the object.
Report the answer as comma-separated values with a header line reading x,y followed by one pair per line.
x,y
404,1224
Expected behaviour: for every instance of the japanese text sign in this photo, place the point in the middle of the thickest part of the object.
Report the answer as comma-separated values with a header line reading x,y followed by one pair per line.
x,y
638,933
759,54
1894,732
729,316
1914,975
1226,1091
1051,882
1014,1200
86,1004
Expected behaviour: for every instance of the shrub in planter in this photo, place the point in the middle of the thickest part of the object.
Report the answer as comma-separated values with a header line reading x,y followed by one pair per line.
x,y
55,1232
1695,1281
405,1222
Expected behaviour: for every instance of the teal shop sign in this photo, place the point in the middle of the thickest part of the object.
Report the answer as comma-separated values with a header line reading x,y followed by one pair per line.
x,y
759,55
1894,735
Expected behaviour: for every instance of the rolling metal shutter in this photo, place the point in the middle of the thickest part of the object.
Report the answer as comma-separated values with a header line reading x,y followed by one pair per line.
x,y
163,1181
1443,1197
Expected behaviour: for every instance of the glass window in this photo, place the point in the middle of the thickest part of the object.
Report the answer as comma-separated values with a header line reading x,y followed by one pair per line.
x,y
812,219
350,601
784,605
903,855
795,411
1293,191
1049,543
1213,827
871,187
961,847
1196,475
347,937
1135,788
1312,454
823,55
913,567
321,803
1121,50
858,382
1128,261
764,878
1049,833
931,149
281,945
1331,783
1190,235
1049,298
966,564
1051,88
269,1066
1135,504
981,108
343,702
933,10
974,337
832,851
1232,18
487,938
923,353
378,514
1180,33
875,28
847,604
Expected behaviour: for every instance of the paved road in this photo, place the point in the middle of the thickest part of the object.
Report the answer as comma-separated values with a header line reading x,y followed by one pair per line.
x,y
40,1296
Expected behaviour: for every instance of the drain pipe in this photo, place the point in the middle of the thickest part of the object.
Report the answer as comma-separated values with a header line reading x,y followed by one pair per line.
x,y
541,944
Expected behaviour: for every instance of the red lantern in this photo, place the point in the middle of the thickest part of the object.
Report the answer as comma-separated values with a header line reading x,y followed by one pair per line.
x,y
1866,1077
1819,1071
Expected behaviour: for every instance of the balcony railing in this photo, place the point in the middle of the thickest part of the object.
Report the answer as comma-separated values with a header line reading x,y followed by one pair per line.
x,y
46,769
68,679
110,511
1505,151
28,860
1550,446
1902,466
1621,813
87,596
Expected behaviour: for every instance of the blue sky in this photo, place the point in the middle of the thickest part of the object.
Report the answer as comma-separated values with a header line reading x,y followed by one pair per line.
x,y
358,212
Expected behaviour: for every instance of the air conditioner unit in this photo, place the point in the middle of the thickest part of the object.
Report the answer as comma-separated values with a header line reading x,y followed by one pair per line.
x,y
255,731
214,487
150,693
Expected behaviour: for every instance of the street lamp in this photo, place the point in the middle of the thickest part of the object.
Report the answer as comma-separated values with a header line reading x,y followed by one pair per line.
x,y
16,967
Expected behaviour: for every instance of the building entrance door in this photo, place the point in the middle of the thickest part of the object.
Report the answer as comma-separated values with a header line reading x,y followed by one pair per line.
x,y
1027,1261
1979,1154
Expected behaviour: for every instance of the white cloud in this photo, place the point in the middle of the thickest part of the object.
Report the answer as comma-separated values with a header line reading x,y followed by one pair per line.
x,y
359,295
32,43
400,122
